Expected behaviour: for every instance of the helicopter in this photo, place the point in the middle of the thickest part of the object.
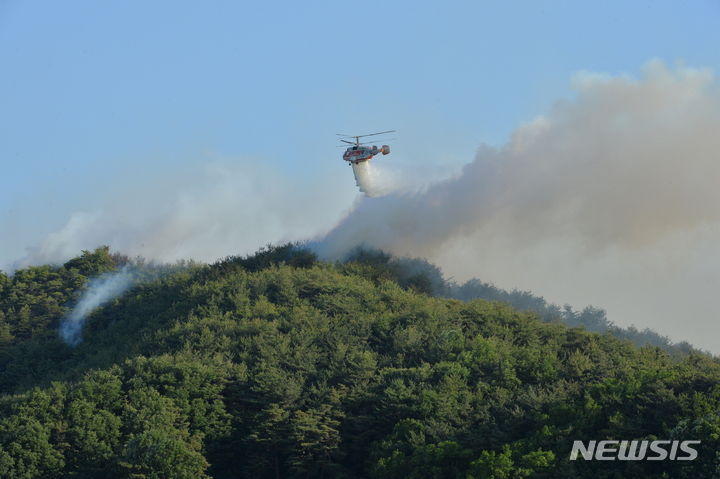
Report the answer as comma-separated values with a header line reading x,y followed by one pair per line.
x,y
359,153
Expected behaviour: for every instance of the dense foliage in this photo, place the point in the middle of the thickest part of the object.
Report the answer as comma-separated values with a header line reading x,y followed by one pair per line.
x,y
276,365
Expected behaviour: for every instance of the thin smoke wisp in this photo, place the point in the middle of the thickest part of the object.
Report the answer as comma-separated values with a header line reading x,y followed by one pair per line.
x,y
99,291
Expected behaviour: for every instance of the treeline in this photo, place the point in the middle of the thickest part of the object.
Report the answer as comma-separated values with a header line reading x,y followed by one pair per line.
x,y
276,365
425,277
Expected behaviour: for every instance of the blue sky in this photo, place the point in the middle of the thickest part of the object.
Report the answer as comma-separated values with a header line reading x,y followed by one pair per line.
x,y
115,116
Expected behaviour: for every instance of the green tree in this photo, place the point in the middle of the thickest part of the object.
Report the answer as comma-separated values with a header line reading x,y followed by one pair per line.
x,y
162,454
89,264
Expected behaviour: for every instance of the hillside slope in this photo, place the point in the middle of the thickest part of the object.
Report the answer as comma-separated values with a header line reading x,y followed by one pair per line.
x,y
257,368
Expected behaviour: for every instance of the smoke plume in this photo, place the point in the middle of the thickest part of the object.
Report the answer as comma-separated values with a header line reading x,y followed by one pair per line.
x,y
623,164
99,291
202,211
610,199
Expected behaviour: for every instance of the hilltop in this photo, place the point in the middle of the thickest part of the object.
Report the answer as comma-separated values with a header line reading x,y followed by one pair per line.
x,y
279,365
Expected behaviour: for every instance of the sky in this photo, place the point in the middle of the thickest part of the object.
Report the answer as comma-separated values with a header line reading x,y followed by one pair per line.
x,y
564,148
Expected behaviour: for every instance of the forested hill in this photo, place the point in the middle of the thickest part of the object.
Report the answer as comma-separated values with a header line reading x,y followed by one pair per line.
x,y
276,365
426,277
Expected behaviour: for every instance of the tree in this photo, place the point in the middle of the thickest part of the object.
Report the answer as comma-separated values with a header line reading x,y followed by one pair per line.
x,y
89,264
163,453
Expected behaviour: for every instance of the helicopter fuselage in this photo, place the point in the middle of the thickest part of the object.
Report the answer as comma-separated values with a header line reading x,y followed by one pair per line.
x,y
357,154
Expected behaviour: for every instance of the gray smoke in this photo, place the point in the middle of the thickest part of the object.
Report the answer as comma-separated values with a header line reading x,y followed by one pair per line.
x,y
99,291
202,211
624,163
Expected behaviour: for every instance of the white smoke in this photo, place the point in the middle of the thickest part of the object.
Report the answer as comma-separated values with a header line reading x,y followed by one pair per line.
x,y
202,211
99,291
610,199
626,163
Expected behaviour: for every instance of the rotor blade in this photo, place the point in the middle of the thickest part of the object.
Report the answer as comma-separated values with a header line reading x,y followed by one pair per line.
x,y
340,134
372,134
377,141
366,143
